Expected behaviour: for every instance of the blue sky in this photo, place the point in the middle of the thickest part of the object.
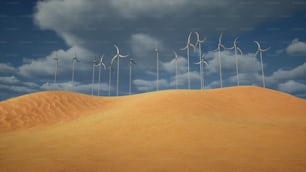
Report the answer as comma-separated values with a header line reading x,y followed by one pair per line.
x,y
33,32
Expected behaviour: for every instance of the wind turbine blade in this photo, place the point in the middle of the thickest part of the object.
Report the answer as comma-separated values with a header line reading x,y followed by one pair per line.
x,y
258,45
133,61
202,41
220,37
184,48
193,46
198,36
198,62
235,40
117,49
175,54
216,49
112,61
189,37
205,62
240,51
123,56
103,66
264,50
221,45
257,52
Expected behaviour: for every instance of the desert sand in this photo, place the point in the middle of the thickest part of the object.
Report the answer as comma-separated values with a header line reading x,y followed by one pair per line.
x,y
231,129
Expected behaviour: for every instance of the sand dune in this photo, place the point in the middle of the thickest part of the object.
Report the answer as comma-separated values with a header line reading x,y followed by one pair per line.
x,y
230,129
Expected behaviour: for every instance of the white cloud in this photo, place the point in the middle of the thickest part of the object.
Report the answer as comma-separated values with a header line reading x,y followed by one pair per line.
x,y
247,63
296,47
9,80
46,66
171,65
143,44
17,88
77,86
153,8
78,21
298,72
12,83
292,86
7,68
183,78
147,85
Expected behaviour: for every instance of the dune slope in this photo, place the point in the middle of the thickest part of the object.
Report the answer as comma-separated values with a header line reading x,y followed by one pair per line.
x,y
231,129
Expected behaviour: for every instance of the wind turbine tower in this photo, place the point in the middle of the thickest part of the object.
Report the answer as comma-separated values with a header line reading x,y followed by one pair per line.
x,y
94,64
56,68
118,56
201,63
188,45
100,64
74,60
260,51
199,44
176,72
110,68
131,62
157,67
220,45
236,48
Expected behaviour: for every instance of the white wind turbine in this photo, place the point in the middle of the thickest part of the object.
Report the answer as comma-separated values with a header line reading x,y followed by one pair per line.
x,y
94,64
220,45
157,67
56,67
260,51
100,64
201,63
236,48
110,68
199,44
74,60
131,62
188,45
118,56
176,59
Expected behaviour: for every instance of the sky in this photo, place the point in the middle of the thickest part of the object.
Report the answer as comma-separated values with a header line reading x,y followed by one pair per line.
x,y
34,32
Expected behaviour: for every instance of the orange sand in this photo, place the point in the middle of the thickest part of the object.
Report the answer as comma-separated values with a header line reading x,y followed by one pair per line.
x,y
230,129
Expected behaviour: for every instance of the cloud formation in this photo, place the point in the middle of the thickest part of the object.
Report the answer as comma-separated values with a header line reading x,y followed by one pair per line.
x,y
296,47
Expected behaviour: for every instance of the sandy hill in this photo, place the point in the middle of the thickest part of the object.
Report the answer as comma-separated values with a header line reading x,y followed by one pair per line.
x,y
230,129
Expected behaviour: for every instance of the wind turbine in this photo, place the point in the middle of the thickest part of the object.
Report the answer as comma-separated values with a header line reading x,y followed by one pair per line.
x,y
94,64
157,67
74,60
118,56
236,48
201,63
188,45
199,43
176,59
260,51
131,62
220,45
56,67
100,64
110,75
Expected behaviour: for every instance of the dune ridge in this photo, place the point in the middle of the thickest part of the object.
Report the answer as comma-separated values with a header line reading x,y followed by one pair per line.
x,y
49,107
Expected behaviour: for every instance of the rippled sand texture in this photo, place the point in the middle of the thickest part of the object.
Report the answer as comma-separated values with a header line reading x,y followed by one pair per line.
x,y
230,129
